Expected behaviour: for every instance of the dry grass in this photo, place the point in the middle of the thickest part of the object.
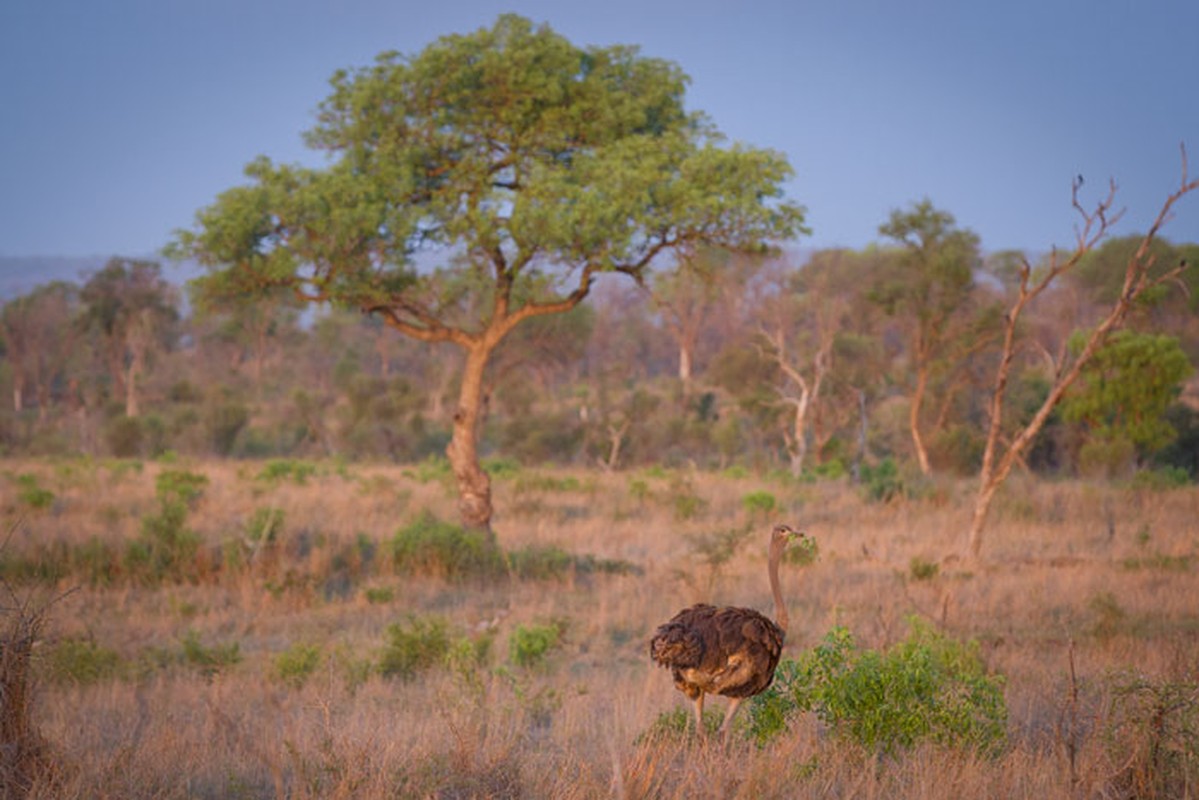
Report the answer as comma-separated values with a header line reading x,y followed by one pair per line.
x,y
1109,569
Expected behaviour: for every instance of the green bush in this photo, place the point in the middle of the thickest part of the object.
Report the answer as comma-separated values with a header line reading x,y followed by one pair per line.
x,y
209,659
759,502
922,570
166,548
528,646
413,646
549,562
81,661
882,482
297,663
429,546
31,494
925,688
279,470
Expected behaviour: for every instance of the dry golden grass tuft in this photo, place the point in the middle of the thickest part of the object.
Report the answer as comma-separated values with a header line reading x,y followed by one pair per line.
x,y
184,687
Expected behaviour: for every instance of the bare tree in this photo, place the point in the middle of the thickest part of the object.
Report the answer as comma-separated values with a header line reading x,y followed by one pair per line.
x,y
1002,453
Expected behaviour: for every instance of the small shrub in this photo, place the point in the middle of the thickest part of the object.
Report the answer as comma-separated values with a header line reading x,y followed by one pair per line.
x,y
432,547
31,494
922,570
1161,479
81,661
677,725
209,660
413,646
166,548
760,503
528,646
297,663
379,595
264,525
882,482
925,688
279,470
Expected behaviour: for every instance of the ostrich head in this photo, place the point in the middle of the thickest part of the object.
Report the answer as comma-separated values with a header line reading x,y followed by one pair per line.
x,y
780,537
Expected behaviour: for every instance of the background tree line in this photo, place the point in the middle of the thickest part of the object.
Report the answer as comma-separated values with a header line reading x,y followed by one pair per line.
x,y
820,364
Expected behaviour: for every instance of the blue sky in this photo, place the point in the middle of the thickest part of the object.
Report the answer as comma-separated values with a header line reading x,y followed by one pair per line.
x,y
120,118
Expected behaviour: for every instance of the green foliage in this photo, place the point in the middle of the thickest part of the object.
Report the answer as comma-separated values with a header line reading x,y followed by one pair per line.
x,y
414,645
922,570
428,546
882,483
31,494
123,435
759,503
166,548
279,470
802,552
544,562
925,688
264,525
379,595
80,661
529,645
678,724
1124,390
295,665
209,659
1161,479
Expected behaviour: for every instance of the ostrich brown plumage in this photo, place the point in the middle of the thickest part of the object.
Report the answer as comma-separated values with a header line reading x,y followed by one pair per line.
x,y
728,651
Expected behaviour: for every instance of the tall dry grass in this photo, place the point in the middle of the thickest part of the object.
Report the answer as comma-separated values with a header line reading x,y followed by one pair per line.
x,y
188,698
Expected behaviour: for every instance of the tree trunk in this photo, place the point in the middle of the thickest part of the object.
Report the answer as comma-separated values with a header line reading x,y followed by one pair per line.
x,y
914,420
474,485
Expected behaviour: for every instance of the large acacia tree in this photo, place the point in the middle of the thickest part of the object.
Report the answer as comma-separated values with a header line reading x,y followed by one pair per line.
x,y
485,181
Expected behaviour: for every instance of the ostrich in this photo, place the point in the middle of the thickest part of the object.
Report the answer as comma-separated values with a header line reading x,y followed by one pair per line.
x,y
729,650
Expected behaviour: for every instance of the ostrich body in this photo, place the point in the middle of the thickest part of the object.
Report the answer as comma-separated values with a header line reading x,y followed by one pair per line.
x,y
728,650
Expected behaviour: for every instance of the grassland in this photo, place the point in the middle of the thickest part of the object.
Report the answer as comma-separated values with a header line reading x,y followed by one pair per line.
x,y
275,639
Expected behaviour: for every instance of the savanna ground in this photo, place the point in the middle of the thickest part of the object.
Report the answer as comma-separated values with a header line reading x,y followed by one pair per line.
x,y
285,648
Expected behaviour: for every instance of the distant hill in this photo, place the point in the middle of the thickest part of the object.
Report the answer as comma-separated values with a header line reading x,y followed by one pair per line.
x,y
21,274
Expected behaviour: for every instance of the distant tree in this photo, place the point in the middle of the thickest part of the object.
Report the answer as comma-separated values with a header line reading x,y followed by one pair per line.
x,y
798,333
131,308
687,295
929,289
39,340
487,180
1123,392
1004,450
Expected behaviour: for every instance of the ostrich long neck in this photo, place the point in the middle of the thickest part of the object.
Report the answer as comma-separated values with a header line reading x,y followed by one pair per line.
x,y
780,609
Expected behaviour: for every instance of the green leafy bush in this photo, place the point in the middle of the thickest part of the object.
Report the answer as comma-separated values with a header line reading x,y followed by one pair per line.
x,y
166,548
279,470
414,645
925,688
431,547
922,570
31,494
549,562
297,663
529,645
882,483
761,502
81,661
209,659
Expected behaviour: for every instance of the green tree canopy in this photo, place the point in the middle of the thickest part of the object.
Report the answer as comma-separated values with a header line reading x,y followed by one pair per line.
x,y
1124,391
486,180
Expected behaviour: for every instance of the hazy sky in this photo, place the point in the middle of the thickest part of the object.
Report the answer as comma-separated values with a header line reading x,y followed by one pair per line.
x,y
120,118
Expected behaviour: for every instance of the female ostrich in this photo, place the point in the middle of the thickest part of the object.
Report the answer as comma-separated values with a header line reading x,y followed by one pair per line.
x,y
729,651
